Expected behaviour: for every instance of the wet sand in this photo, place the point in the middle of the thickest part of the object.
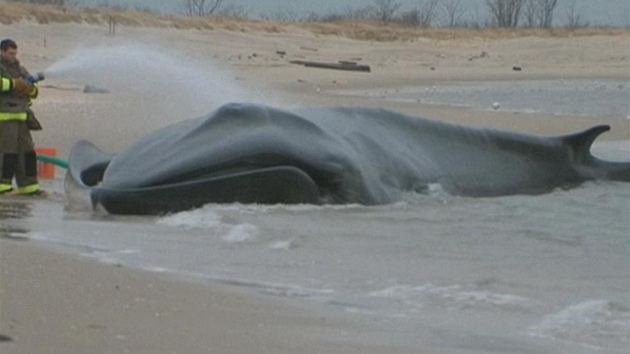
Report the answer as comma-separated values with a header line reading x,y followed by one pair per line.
x,y
53,302
58,303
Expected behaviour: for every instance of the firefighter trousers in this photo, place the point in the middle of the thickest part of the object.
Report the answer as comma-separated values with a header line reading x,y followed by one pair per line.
x,y
17,157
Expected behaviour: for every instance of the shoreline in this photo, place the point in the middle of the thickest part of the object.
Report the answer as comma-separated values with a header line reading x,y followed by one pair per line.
x,y
111,308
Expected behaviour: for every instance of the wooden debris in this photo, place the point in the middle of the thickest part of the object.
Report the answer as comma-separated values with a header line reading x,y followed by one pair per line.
x,y
337,66
60,88
94,89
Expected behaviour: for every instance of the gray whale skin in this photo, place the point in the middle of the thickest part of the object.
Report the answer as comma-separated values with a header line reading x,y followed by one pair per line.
x,y
251,153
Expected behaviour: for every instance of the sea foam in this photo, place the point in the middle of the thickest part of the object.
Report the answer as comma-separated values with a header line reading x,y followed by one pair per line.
x,y
597,324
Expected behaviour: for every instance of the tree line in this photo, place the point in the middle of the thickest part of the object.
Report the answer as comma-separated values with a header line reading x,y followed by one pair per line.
x,y
428,13
458,13
63,3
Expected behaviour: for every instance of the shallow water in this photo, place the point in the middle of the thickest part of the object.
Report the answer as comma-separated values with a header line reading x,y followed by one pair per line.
x,y
607,98
517,274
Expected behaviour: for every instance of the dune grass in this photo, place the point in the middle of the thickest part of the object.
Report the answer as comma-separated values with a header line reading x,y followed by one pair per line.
x,y
360,30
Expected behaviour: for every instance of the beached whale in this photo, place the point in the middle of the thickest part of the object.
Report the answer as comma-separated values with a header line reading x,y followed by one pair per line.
x,y
258,154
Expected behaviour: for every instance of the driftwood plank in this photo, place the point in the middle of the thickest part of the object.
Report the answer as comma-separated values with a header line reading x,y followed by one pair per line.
x,y
350,66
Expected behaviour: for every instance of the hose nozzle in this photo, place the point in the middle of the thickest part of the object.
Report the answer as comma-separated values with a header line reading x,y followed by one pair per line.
x,y
37,77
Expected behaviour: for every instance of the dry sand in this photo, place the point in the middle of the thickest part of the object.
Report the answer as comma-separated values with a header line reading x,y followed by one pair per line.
x,y
58,303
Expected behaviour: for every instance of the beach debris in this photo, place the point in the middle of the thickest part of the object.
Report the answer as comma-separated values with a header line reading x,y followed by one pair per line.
x,y
310,49
302,81
94,89
496,105
341,65
60,88
281,53
517,68
482,55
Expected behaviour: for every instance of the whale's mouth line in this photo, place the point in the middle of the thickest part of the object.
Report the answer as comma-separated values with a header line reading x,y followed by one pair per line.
x,y
272,185
203,178
327,180
222,172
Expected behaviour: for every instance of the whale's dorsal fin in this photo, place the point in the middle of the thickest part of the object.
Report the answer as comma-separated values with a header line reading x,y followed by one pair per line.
x,y
579,146
580,143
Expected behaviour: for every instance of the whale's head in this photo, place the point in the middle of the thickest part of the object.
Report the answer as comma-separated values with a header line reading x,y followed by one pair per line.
x,y
238,153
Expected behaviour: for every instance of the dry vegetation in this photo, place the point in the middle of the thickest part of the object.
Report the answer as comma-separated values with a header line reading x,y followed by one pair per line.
x,y
372,31
361,30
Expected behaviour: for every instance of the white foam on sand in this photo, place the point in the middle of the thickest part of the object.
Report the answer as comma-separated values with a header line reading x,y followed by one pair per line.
x,y
283,244
194,219
241,233
205,219
451,296
597,324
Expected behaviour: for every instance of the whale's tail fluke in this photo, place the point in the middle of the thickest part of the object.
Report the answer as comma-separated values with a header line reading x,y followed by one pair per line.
x,y
579,146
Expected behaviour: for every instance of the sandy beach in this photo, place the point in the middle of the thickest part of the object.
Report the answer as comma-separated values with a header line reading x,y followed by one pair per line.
x,y
53,302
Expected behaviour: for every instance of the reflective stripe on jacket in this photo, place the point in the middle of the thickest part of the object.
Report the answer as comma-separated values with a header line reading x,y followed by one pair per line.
x,y
13,116
12,105
6,84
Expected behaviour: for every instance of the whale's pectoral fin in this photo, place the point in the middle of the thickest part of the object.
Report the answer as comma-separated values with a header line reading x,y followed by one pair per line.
x,y
87,164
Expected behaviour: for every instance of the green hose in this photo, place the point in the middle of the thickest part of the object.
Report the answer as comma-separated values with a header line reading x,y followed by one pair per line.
x,y
53,160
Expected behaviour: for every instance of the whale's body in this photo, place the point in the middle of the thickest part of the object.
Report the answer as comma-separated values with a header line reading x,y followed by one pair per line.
x,y
257,154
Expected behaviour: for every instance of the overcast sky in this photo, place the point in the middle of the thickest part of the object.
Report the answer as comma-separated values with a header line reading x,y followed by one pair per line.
x,y
596,12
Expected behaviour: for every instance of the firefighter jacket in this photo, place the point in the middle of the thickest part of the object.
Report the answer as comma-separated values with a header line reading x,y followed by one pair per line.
x,y
13,106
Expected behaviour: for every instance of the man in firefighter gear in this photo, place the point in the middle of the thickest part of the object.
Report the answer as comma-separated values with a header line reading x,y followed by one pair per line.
x,y
17,151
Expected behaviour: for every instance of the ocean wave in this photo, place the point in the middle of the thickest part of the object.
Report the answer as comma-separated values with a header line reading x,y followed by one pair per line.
x,y
241,233
205,219
452,296
596,324
194,219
